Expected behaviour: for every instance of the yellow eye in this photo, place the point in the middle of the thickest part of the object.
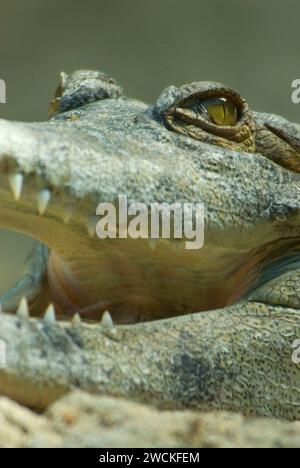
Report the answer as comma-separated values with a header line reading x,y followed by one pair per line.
x,y
221,111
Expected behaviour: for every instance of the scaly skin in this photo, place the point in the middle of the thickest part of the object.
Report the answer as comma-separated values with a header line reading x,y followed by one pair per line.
x,y
237,353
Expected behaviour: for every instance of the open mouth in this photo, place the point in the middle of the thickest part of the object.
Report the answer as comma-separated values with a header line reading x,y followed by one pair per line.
x,y
136,280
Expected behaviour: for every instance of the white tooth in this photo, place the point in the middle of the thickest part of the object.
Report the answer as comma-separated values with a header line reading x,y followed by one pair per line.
x,y
68,213
91,225
16,185
76,320
175,245
50,317
152,243
23,311
107,321
43,200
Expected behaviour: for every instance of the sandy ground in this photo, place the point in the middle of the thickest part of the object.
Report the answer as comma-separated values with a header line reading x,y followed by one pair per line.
x,y
83,420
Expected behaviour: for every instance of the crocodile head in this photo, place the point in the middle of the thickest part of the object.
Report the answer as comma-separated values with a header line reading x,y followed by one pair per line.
x,y
200,143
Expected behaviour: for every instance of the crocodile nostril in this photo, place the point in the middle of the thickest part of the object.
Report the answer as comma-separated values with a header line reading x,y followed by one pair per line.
x,y
83,87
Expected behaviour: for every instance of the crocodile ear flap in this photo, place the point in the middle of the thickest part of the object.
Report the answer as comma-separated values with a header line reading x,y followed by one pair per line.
x,y
83,87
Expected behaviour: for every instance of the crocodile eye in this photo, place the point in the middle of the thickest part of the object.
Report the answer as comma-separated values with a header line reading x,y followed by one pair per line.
x,y
220,111
209,112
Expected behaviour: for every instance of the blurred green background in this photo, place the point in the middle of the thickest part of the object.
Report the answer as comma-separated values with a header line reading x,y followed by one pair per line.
x,y
251,45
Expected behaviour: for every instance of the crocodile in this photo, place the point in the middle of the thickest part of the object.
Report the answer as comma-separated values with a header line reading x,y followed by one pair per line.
x,y
144,319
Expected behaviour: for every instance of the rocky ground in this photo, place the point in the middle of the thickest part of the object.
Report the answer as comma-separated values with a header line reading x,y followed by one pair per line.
x,y
83,420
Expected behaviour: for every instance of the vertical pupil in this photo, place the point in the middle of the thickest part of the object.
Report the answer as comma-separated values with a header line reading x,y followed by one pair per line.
x,y
219,111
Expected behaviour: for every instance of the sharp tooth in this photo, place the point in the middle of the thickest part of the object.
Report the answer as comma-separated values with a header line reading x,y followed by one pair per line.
x,y
43,200
16,185
175,245
91,225
76,320
152,243
107,321
68,213
50,317
23,311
